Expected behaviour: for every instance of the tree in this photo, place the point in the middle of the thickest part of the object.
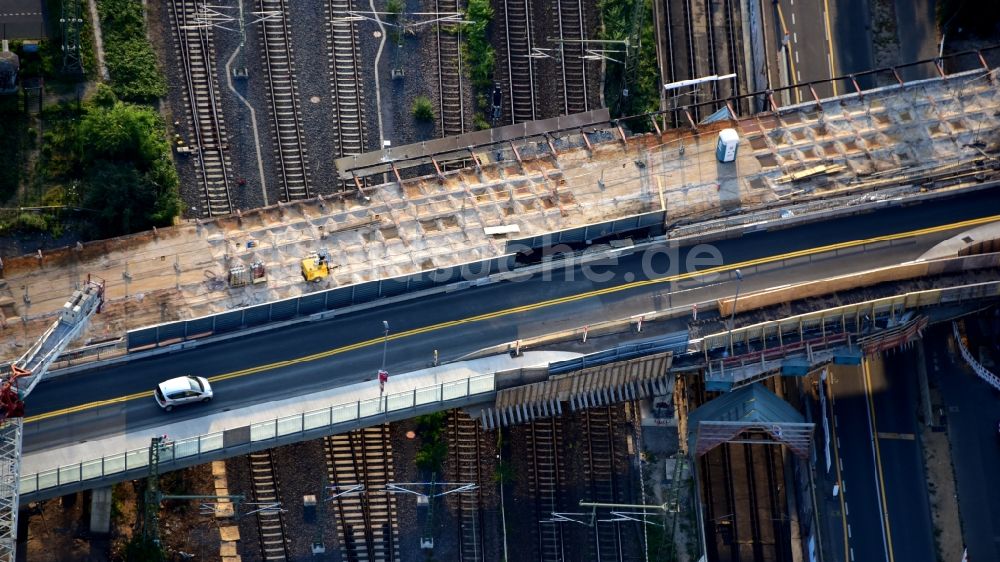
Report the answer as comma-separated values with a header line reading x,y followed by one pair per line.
x,y
128,175
123,132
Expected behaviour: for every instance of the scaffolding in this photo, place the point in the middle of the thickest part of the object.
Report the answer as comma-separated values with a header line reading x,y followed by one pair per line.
x,y
752,414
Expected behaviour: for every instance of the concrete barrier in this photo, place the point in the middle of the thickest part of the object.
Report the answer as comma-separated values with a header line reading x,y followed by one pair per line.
x,y
896,273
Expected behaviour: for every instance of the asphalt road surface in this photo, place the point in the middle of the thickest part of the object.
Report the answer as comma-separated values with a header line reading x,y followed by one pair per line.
x,y
281,364
806,27
887,508
972,410
22,19
851,424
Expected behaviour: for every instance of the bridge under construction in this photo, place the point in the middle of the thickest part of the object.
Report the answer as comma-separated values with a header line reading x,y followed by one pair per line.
x,y
864,146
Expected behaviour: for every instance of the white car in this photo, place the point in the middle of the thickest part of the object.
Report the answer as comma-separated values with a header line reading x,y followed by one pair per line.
x,y
182,390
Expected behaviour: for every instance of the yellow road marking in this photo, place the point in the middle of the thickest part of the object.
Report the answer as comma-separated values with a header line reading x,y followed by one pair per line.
x,y
829,44
536,306
878,460
788,54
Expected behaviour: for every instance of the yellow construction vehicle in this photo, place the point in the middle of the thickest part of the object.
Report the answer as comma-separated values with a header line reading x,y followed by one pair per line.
x,y
316,266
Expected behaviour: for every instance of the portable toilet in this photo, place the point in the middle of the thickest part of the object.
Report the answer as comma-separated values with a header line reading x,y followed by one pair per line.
x,y
729,140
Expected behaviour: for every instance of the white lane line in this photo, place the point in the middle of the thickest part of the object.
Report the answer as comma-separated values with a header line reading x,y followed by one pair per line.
x,y
849,531
793,18
795,36
796,57
852,554
798,75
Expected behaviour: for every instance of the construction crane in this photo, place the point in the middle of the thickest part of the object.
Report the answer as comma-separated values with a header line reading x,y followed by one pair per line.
x,y
17,381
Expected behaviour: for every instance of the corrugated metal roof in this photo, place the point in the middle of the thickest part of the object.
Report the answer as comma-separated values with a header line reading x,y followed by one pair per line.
x,y
753,404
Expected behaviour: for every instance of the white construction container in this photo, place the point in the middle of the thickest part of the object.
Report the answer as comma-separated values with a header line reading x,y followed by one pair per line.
x,y
729,141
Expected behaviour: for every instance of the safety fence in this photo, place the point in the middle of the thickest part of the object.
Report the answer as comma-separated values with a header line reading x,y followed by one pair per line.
x,y
655,221
361,293
260,435
676,343
312,303
983,372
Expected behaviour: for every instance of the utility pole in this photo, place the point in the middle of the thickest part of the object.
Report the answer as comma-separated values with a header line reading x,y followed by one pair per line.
x,y
732,316
383,375
71,21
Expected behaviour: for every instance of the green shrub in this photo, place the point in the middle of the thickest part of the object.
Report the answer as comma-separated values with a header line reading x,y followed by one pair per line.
x,y
622,21
394,8
478,50
32,221
481,123
131,62
433,449
423,109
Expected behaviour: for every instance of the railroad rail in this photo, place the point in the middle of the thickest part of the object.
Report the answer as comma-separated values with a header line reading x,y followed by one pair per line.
x,y
599,424
270,522
734,49
344,55
702,38
519,60
450,72
545,484
282,93
366,522
208,143
573,65
465,437
744,513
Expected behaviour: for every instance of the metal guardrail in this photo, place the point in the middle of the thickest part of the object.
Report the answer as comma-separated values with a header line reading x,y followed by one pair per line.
x,y
834,319
983,372
676,342
193,448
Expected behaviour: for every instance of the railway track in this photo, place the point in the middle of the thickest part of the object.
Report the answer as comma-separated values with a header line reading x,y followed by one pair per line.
x,y
703,38
366,523
775,530
465,438
569,14
193,41
270,523
545,485
519,60
348,97
600,470
282,93
744,509
452,114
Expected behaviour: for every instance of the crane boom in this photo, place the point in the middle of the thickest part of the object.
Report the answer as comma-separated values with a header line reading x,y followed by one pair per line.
x,y
16,382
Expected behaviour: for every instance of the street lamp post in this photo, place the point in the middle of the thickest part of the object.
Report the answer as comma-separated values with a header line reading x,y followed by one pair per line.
x,y
383,375
732,316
